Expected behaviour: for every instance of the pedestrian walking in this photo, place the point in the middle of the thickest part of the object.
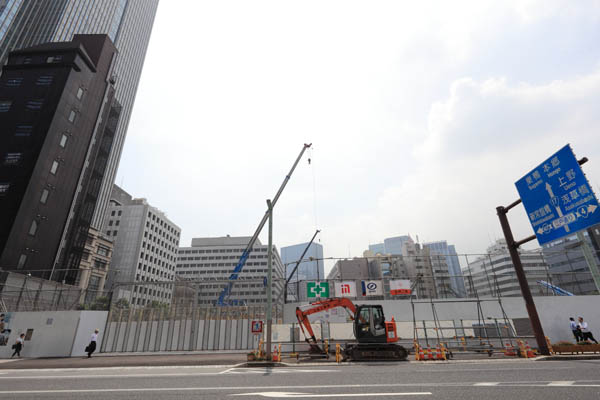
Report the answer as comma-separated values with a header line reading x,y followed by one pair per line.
x,y
18,346
576,330
92,346
585,331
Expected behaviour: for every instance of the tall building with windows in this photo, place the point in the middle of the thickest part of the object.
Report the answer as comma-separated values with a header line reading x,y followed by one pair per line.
x,y
128,24
442,248
493,274
310,269
210,261
144,250
571,261
58,118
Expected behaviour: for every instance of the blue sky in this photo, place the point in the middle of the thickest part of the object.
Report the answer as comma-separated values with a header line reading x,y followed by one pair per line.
x,y
422,116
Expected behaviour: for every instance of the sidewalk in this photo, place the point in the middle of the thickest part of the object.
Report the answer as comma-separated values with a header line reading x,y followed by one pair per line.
x,y
127,360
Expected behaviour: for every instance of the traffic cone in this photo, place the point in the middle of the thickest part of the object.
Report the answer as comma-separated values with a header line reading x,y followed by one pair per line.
x,y
530,353
430,353
421,354
509,350
439,354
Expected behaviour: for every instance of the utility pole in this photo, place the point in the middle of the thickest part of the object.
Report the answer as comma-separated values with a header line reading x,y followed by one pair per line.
x,y
269,281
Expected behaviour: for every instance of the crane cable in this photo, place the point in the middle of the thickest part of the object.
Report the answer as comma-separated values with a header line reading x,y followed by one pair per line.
x,y
312,164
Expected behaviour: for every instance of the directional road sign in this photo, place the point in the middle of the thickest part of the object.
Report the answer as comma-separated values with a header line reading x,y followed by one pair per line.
x,y
558,198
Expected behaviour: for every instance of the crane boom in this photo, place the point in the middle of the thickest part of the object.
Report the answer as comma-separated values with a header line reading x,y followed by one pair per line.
x,y
242,261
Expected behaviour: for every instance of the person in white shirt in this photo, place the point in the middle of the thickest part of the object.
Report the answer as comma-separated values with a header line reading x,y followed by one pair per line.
x,y
92,346
576,330
19,345
585,331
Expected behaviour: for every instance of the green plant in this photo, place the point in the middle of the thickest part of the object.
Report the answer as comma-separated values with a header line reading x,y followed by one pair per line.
x,y
100,303
122,303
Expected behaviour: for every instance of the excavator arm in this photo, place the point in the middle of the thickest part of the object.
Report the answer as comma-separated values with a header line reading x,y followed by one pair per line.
x,y
303,312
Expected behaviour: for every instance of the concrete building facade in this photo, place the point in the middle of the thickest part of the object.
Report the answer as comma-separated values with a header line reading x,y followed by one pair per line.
x,y
212,260
145,250
457,282
493,274
568,264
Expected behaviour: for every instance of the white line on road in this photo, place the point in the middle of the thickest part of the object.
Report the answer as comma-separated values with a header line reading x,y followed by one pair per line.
x,y
486,384
561,383
297,395
175,374
541,384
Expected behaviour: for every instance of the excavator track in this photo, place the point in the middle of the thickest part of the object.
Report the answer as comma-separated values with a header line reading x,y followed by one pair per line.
x,y
375,352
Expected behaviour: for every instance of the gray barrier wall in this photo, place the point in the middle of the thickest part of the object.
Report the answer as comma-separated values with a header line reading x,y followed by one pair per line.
x,y
52,333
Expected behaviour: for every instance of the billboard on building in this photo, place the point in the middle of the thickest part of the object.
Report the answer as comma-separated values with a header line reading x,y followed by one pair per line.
x,y
400,286
317,289
372,288
345,289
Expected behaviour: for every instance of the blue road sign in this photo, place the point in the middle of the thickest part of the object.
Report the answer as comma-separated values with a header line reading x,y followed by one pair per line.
x,y
558,198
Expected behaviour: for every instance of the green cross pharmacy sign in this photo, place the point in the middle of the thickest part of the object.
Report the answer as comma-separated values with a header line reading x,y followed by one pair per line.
x,y
317,289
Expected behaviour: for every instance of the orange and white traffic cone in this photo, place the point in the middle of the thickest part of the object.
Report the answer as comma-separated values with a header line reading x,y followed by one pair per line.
x,y
530,353
439,355
509,350
430,353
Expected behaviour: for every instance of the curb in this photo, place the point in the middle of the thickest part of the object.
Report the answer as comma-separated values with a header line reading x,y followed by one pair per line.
x,y
569,357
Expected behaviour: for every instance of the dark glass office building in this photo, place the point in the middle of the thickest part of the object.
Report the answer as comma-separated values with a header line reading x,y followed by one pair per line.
x,y
128,24
58,119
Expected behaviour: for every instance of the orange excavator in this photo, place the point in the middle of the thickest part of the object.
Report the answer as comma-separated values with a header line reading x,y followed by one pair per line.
x,y
375,337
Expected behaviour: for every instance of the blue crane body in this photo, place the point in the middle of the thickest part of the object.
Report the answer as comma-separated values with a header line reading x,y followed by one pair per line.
x,y
224,296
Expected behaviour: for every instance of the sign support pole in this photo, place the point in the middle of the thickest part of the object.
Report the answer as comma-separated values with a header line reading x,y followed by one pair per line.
x,y
269,281
516,260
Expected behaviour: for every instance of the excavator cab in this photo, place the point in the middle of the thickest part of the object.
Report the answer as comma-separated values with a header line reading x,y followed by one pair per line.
x,y
370,325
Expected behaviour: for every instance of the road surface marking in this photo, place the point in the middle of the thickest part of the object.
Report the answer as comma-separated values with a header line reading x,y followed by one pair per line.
x,y
540,384
561,383
172,374
486,384
303,395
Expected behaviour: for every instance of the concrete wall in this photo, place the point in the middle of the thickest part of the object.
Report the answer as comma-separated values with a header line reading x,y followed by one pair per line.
x,y
55,334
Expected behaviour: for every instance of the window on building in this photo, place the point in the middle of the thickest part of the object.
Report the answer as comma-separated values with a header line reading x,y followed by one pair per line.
x,y
54,59
22,260
112,213
79,93
27,60
13,82
44,196
34,104
120,213
12,158
63,141
23,130
54,167
72,115
5,105
4,186
103,251
33,228
99,264
44,80
117,223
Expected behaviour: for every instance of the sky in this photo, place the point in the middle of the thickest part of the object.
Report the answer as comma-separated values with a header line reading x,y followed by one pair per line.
x,y
421,115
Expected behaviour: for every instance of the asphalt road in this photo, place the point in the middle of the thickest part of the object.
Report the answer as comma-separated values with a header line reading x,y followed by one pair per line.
x,y
519,379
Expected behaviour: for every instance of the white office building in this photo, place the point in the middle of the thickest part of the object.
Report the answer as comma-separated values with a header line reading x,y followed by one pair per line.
x,y
145,250
493,274
210,261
